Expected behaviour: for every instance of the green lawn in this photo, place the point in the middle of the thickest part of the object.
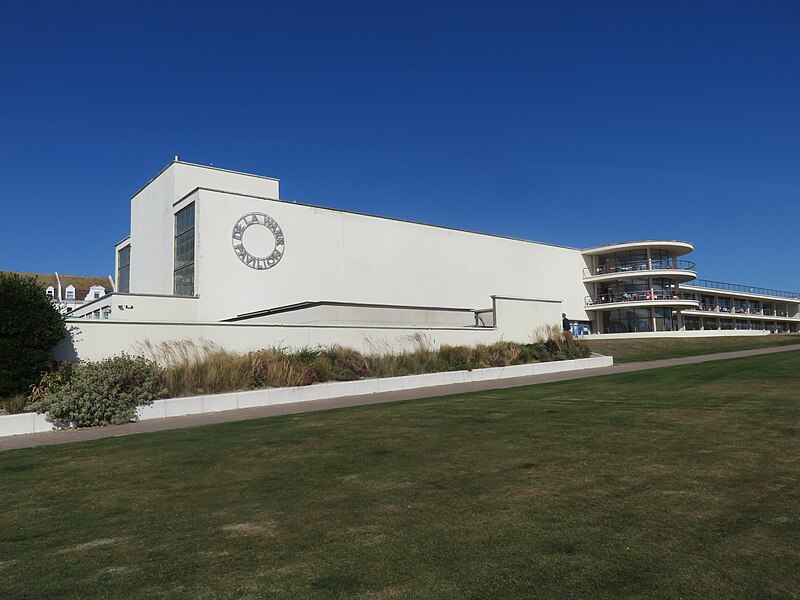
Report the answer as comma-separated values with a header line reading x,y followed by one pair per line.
x,y
667,483
635,350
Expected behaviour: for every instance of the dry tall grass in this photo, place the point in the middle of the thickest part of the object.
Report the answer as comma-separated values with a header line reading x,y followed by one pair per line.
x,y
204,368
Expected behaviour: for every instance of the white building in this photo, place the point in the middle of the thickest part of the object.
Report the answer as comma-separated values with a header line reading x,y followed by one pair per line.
x,y
69,292
217,255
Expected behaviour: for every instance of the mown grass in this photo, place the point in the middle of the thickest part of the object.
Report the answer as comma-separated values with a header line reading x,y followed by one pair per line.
x,y
667,483
636,350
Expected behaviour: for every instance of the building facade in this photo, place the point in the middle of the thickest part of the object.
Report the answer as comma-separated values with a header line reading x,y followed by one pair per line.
x,y
209,245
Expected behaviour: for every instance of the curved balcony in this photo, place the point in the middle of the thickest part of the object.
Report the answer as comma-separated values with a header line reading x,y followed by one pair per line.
x,y
678,270
640,299
708,310
676,247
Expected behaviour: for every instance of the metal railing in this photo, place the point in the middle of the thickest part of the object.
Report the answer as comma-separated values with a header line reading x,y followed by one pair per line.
x,y
643,296
732,311
639,265
746,289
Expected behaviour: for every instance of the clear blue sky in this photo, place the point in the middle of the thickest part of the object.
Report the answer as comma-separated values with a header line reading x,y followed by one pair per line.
x,y
578,123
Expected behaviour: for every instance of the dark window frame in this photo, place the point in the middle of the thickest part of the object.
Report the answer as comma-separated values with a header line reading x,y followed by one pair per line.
x,y
184,252
124,269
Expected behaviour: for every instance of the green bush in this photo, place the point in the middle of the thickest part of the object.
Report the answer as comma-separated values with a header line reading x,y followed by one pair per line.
x,y
455,358
30,326
106,392
529,353
347,364
13,405
206,369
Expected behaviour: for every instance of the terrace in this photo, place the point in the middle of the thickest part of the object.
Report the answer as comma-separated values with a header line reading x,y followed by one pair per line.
x,y
683,270
641,298
738,289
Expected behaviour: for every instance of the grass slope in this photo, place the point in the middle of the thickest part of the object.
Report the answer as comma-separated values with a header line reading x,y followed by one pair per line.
x,y
668,483
637,350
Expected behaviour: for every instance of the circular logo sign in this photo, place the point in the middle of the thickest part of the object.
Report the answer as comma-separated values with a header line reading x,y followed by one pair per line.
x,y
258,241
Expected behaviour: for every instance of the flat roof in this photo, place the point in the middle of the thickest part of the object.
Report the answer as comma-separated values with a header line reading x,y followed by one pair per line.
x,y
677,246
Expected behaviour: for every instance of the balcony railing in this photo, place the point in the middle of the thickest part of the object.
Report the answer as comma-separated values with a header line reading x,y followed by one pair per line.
x,y
643,296
746,289
732,311
640,265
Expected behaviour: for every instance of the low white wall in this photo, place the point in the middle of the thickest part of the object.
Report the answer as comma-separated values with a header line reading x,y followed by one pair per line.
x,y
174,407
23,423
517,321
95,340
139,307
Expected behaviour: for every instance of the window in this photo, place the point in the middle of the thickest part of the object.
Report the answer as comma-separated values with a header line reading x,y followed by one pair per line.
x,y
51,293
626,320
624,261
184,252
616,290
70,292
124,269
664,288
707,303
97,295
665,319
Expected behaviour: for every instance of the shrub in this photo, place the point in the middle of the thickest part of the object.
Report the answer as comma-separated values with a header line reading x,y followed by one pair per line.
x,y
30,326
347,364
13,405
498,354
455,358
560,344
272,368
106,392
204,368
529,353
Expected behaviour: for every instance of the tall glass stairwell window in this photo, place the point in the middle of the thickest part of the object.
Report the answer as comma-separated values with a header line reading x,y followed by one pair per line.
x,y
124,269
184,252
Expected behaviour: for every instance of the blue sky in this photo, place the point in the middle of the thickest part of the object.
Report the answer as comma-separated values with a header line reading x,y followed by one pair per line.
x,y
577,123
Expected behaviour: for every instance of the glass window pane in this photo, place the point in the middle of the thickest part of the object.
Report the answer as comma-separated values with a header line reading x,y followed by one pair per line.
x,y
184,219
184,252
124,269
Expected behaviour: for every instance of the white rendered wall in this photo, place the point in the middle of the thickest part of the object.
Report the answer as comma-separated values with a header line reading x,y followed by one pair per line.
x,y
151,236
369,315
136,307
343,257
152,218
518,320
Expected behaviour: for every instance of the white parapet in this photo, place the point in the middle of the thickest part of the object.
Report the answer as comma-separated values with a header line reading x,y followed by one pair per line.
x,y
24,423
